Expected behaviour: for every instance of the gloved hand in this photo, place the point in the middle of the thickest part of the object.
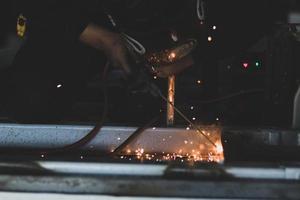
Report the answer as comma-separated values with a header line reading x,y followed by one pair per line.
x,y
120,55
111,43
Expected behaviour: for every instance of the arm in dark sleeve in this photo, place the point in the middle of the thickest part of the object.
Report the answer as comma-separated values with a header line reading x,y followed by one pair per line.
x,y
58,19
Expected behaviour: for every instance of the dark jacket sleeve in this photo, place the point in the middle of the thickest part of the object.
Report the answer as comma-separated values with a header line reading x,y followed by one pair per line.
x,y
61,19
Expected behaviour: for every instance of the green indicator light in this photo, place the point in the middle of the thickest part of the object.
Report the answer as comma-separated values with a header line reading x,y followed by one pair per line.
x,y
257,64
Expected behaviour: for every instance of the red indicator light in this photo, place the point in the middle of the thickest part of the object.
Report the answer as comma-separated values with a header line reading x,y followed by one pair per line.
x,y
245,65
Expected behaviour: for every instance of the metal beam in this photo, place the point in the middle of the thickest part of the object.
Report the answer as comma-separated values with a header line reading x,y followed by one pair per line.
x,y
153,140
153,187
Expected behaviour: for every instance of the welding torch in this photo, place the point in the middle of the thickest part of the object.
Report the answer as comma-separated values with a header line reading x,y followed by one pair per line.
x,y
143,66
142,75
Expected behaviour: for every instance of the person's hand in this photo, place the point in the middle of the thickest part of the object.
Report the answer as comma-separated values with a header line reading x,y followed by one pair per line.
x,y
112,44
175,68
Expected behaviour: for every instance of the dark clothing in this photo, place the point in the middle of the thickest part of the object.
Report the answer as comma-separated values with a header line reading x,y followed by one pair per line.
x,y
61,19
51,69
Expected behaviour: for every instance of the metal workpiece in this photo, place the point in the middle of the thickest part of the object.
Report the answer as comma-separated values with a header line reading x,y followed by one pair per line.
x,y
239,144
53,136
47,136
151,187
249,172
158,181
254,172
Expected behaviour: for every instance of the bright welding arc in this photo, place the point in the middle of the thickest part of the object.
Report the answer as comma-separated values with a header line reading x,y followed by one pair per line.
x,y
187,119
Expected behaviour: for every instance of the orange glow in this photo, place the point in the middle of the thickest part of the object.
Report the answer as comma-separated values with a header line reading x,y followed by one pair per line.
x,y
128,151
171,98
172,56
194,149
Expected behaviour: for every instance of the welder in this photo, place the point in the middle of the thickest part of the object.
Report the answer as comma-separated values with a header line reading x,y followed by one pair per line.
x,y
58,56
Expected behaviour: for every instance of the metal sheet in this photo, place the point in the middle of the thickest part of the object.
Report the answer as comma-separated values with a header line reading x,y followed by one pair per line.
x,y
216,181
155,170
154,187
51,136
246,172
37,196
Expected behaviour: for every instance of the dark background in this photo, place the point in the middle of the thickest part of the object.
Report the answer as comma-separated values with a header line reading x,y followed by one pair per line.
x,y
247,32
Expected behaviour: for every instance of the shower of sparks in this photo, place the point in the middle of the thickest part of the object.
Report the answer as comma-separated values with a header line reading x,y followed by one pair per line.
x,y
194,148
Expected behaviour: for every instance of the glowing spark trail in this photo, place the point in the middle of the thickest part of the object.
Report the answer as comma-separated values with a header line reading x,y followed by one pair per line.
x,y
192,148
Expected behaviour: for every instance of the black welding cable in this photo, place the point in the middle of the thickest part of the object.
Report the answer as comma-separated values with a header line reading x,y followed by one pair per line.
x,y
134,136
95,131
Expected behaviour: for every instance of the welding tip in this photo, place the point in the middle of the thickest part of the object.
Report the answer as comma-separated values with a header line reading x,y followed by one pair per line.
x,y
187,120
